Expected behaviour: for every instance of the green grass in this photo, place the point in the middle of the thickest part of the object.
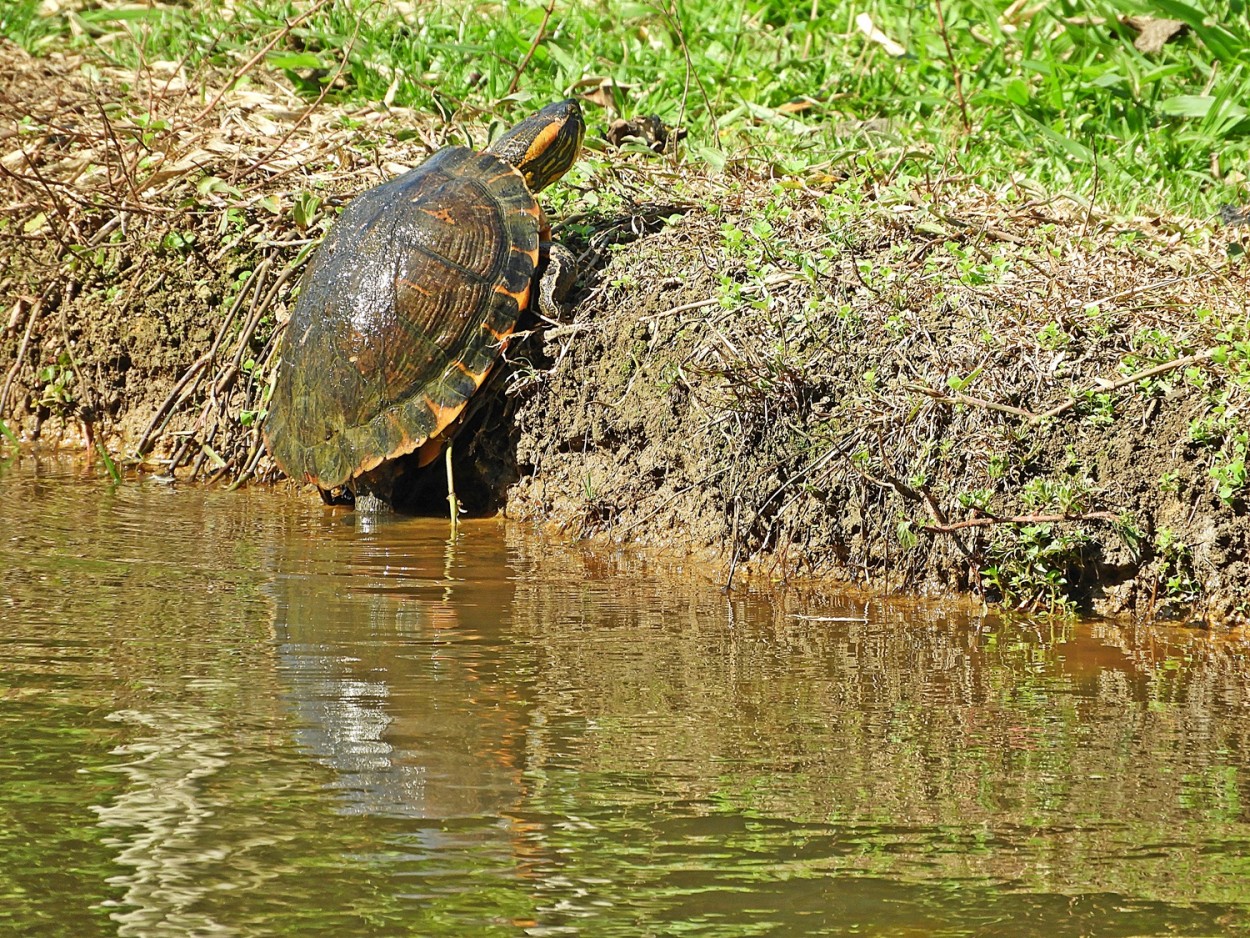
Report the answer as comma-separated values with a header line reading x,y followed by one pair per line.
x,y
794,86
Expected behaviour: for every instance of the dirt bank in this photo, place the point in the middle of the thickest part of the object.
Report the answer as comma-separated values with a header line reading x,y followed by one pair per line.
x,y
917,385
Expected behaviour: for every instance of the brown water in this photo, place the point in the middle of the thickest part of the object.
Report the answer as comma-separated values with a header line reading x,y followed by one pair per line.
x,y
242,714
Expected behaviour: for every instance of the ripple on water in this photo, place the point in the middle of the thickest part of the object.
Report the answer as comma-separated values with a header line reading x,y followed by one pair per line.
x,y
242,713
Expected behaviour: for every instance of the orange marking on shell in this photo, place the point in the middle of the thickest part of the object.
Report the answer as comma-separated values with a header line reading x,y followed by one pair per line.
x,y
441,214
369,462
500,337
413,285
476,378
521,296
443,416
428,452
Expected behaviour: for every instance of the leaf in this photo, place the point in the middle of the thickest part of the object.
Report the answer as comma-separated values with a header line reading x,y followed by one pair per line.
x,y
633,11
1016,91
1223,44
1073,148
211,184
1154,33
1198,105
866,26
956,383
796,106
778,119
127,15
304,209
715,159
109,464
295,60
562,58
1109,80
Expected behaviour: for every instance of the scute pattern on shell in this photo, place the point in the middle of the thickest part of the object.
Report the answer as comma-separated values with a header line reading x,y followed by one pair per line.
x,y
403,311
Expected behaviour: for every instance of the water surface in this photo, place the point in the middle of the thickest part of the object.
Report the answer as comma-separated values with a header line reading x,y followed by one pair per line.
x,y
245,714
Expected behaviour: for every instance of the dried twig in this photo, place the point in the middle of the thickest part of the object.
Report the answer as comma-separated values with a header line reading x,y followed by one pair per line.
x,y
167,405
670,12
985,520
529,53
1152,372
955,73
250,63
943,398
21,351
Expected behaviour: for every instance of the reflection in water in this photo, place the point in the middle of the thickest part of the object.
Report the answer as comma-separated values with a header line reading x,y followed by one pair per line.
x,y
242,714
159,819
390,663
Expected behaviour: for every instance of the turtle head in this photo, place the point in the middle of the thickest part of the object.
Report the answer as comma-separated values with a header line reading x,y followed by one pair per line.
x,y
544,145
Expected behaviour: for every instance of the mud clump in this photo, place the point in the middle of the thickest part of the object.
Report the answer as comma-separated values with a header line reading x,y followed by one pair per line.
x,y
911,387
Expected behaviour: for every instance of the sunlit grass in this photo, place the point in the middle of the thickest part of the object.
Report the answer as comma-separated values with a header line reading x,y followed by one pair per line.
x,y
1060,97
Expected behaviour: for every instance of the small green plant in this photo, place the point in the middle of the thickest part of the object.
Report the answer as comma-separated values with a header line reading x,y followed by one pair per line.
x,y
977,499
956,383
1052,337
997,466
1176,570
1029,566
305,208
1130,532
1222,431
57,378
1067,496
177,242
905,531
1098,408
1229,468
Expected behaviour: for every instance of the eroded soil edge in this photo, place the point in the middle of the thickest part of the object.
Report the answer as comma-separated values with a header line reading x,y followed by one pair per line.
x,y
911,385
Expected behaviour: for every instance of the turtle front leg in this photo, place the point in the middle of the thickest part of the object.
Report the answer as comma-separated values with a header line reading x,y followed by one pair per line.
x,y
555,283
372,490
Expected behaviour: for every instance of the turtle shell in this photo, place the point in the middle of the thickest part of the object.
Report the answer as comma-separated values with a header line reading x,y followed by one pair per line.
x,y
403,311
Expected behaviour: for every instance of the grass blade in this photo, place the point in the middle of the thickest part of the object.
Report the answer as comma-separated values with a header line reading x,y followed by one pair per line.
x,y
109,464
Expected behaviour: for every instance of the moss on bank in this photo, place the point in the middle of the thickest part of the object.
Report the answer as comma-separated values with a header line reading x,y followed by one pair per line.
x,y
913,384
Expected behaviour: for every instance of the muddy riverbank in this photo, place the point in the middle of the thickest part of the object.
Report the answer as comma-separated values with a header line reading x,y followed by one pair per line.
x,y
922,385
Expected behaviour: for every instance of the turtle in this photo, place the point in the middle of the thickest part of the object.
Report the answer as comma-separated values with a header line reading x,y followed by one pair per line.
x,y
408,303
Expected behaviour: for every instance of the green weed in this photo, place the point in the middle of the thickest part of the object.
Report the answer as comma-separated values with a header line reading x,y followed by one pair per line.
x,y
1221,431
1176,572
1029,567
58,379
1057,94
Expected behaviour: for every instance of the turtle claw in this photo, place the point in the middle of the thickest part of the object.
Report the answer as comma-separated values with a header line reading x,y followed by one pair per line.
x,y
370,504
372,490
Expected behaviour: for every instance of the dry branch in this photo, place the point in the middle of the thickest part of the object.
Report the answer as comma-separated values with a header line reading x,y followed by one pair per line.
x,y
985,520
